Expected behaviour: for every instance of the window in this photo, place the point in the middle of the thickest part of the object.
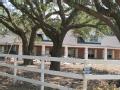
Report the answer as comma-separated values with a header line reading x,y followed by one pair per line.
x,y
1,49
40,36
80,40
10,49
47,51
109,54
13,50
71,52
43,37
91,53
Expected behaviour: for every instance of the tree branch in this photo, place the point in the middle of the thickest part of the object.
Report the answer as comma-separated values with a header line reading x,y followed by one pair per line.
x,y
17,31
102,10
76,26
56,12
40,14
71,16
29,2
118,2
23,9
6,10
61,13
32,37
107,3
95,14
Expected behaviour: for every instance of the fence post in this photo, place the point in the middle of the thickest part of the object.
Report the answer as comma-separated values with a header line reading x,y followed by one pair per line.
x,y
42,74
84,77
15,69
85,83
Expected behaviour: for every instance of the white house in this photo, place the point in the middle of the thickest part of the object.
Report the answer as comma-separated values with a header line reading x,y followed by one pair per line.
x,y
108,48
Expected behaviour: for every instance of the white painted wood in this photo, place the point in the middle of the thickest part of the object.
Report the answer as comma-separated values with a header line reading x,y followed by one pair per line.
x,y
104,77
76,52
86,53
105,53
20,67
43,50
64,74
20,49
85,64
95,53
36,81
62,59
42,74
15,69
113,54
85,77
104,62
85,84
66,51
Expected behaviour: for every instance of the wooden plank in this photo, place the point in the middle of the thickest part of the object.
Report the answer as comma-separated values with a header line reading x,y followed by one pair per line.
x,y
104,62
104,77
20,67
36,81
65,74
68,60
57,73
45,58
42,74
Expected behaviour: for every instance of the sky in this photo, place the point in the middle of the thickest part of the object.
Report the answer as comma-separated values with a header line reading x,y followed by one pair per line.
x,y
7,4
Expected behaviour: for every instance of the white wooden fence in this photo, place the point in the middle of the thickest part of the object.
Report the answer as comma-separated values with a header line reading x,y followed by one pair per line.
x,y
43,71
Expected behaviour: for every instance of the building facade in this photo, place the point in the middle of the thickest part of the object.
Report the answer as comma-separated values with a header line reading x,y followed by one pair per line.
x,y
108,48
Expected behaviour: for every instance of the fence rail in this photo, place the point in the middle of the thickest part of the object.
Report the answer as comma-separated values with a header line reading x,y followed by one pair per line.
x,y
43,71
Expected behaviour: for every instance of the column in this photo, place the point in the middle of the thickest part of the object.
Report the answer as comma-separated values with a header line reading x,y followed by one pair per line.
x,y
43,50
76,52
84,75
105,53
66,51
119,54
2,49
20,50
34,50
95,53
113,54
86,53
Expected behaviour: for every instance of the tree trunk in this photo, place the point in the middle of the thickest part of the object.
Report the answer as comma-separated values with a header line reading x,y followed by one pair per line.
x,y
116,30
26,51
56,52
29,45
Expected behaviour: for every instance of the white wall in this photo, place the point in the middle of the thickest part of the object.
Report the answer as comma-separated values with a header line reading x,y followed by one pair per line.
x,y
110,41
70,38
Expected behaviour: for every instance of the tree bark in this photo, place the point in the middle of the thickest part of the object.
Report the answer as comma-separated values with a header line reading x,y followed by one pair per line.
x,y
29,45
56,52
26,52
117,26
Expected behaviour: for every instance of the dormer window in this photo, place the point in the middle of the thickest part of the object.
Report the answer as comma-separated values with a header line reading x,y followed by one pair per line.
x,y
43,37
80,40
40,36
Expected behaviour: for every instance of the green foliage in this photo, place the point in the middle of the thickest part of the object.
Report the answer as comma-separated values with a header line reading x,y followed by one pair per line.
x,y
87,32
22,21
3,30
